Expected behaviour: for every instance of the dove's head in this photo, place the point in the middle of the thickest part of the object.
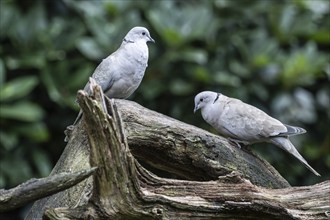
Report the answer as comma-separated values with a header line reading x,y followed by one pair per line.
x,y
205,98
138,34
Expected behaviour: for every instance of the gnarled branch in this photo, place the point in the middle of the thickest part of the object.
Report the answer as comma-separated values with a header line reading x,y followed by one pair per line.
x,y
39,188
122,188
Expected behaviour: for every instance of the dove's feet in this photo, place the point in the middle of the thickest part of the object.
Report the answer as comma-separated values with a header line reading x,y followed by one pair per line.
x,y
237,143
234,143
68,132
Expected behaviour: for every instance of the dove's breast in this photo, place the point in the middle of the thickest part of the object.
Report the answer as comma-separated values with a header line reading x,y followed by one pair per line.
x,y
132,63
212,114
136,59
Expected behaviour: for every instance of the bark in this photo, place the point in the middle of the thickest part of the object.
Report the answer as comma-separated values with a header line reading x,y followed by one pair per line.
x,y
220,181
186,152
39,188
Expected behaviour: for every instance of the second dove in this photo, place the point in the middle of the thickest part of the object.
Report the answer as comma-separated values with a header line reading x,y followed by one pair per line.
x,y
246,124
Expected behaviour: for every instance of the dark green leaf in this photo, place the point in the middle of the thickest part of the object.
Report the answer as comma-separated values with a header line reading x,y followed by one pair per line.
x,y
42,162
18,88
22,111
2,75
8,140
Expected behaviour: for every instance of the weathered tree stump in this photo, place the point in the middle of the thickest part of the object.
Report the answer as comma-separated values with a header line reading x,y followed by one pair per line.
x,y
213,180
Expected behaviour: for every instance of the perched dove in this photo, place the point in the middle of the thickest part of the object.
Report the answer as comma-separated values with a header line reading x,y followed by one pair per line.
x,y
121,73
246,124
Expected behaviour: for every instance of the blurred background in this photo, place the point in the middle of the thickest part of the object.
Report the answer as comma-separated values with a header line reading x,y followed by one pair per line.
x,y
271,54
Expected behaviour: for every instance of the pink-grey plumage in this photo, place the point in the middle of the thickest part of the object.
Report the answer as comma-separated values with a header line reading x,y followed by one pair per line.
x,y
246,124
121,73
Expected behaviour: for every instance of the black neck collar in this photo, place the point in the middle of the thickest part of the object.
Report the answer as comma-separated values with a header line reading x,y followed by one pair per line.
x,y
128,41
218,94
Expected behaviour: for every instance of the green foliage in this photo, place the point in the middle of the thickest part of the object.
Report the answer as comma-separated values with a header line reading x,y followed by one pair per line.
x,y
271,54
22,119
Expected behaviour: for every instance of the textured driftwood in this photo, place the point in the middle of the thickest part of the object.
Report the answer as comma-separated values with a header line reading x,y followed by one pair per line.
x,y
189,152
39,188
182,150
124,189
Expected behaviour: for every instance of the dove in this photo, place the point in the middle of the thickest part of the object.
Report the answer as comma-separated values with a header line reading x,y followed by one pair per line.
x,y
121,73
246,124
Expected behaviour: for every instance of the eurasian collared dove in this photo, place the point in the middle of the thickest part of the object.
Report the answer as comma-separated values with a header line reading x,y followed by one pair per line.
x,y
246,124
120,74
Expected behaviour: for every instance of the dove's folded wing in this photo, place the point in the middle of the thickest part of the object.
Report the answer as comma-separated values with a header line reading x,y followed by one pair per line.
x,y
249,123
103,74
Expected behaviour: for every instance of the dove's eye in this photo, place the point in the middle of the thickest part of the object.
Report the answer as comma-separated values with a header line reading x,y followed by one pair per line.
x,y
201,100
143,33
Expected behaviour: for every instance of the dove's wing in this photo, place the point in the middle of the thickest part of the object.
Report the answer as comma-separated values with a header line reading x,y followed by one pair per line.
x,y
120,74
104,74
248,123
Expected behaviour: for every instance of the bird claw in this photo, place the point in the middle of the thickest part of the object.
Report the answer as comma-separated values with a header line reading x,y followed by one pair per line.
x,y
234,143
237,143
68,132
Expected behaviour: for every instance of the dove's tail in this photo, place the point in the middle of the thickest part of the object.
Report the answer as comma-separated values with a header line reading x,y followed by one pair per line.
x,y
293,130
286,144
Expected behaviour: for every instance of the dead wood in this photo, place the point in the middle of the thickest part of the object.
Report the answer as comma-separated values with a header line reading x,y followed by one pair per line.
x,y
238,182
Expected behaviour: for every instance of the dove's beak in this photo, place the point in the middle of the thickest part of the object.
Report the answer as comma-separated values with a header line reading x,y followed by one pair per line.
x,y
152,40
196,108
